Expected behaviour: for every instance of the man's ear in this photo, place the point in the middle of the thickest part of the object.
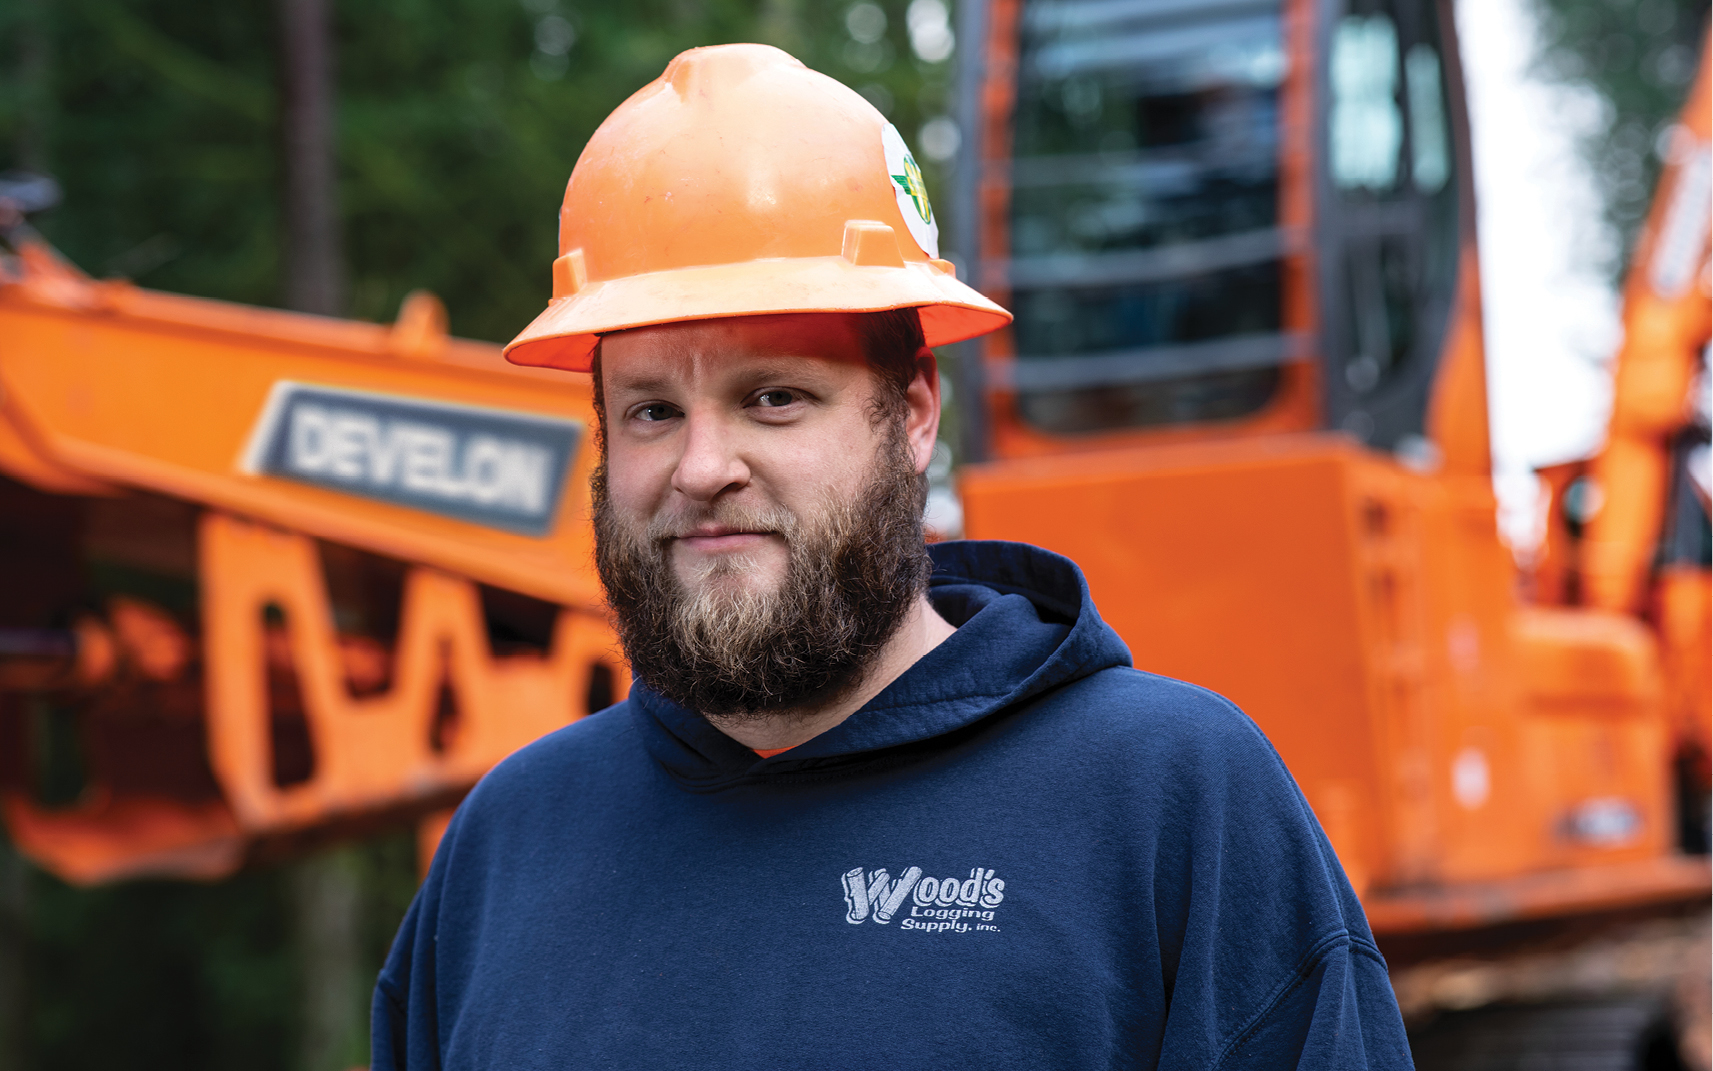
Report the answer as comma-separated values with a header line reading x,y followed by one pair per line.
x,y
922,402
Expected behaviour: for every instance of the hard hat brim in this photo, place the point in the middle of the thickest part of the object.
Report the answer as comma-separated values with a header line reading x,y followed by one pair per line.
x,y
564,335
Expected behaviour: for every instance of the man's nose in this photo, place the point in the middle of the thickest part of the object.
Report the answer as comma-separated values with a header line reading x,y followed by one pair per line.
x,y
710,462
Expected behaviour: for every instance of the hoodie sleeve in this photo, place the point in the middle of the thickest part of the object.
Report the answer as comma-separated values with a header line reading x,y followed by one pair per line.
x,y
387,1024
1268,953
403,1026
1338,1012
389,1017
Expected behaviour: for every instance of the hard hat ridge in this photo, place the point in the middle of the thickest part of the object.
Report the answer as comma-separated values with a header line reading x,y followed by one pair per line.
x,y
742,183
696,72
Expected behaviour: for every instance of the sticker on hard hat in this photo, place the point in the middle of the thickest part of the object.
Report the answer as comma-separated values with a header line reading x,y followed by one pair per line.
x,y
492,467
911,191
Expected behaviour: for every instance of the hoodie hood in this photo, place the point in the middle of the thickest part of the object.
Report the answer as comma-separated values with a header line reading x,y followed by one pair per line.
x,y
1025,625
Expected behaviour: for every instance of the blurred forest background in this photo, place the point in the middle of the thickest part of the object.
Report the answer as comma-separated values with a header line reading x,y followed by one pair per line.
x,y
1640,56
456,123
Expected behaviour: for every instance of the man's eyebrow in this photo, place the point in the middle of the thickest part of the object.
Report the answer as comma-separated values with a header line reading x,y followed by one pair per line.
x,y
640,384
750,378
779,373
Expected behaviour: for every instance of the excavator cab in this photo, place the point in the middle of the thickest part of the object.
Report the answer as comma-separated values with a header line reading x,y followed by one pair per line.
x,y
1214,220
1245,391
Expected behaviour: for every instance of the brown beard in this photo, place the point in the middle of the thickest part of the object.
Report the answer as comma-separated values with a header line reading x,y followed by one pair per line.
x,y
853,573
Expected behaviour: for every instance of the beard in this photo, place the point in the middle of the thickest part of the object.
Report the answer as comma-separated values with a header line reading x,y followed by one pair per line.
x,y
727,650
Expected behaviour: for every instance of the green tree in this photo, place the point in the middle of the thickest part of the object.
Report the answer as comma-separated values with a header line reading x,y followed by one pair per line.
x,y
459,121
1640,56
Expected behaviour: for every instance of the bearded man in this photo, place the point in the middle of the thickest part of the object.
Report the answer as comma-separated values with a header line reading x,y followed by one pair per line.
x,y
869,802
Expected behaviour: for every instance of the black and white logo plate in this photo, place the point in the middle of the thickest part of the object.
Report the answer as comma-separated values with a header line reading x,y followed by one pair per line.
x,y
493,467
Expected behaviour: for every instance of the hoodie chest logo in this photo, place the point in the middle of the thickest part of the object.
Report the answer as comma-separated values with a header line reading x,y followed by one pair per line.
x,y
931,905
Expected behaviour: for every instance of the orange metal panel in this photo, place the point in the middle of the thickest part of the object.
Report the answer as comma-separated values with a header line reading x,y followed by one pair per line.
x,y
24,460
107,839
1668,313
1685,621
1228,565
1541,895
1457,413
163,392
379,751
1365,615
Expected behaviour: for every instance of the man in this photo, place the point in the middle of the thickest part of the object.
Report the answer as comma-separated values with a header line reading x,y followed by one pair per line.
x,y
869,803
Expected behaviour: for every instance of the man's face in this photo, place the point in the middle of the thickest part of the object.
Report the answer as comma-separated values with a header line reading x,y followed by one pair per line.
x,y
712,425
758,514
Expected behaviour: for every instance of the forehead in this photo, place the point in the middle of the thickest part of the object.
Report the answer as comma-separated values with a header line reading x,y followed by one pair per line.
x,y
709,350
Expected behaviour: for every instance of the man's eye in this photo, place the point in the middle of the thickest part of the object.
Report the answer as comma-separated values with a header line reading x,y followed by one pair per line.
x,y
773,399
656,411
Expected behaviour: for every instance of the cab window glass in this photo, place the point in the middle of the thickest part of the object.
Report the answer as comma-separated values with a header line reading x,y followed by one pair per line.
x,y
1389,229
1367,126
1145,250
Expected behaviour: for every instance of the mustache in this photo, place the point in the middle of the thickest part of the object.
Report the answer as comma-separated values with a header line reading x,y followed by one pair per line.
x,y
685,520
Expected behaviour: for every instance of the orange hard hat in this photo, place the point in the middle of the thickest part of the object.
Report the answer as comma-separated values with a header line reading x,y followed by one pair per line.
x,y
741,183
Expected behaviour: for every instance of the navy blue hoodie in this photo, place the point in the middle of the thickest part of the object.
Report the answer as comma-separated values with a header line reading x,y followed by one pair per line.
x,y
1021,854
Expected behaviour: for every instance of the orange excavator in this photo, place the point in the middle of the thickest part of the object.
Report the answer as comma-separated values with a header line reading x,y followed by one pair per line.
x,y
340,570
1245,390
1629,529
272,577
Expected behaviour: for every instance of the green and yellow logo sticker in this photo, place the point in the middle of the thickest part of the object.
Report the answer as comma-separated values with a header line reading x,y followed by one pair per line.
x,y
911,184
911,191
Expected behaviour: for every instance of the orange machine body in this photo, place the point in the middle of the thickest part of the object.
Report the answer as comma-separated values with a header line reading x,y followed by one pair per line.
x,y
1623,527
1472,758
140,401
1666,326
1475,757
1626,560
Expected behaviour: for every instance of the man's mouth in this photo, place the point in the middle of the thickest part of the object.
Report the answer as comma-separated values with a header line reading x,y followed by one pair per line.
x,y
718,539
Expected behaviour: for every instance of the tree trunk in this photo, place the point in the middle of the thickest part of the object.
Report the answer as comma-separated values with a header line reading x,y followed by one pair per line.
x,y
326,889
326,893
33,56
314,270
14,949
